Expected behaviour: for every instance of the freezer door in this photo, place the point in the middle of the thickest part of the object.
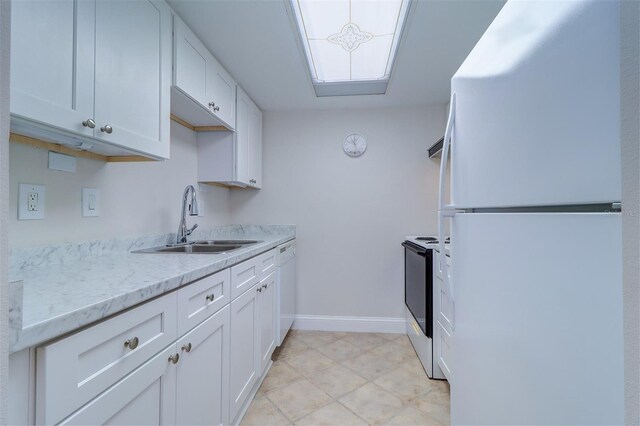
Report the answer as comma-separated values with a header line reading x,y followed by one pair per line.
x,y
537,111
538,307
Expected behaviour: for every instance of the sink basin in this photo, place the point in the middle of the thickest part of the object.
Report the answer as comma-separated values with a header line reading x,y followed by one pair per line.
x,y
198,248
226,242
208,246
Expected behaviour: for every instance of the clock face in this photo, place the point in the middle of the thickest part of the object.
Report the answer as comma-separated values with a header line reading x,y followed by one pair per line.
x,y
354,145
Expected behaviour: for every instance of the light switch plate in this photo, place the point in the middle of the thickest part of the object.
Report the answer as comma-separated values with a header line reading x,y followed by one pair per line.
x,y
90,202
31,201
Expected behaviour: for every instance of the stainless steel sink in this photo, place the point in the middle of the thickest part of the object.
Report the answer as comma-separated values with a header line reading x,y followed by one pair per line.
x,y
226,242
198,247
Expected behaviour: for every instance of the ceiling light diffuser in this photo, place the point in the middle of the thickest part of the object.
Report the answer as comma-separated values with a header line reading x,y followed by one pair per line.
x,y
350,45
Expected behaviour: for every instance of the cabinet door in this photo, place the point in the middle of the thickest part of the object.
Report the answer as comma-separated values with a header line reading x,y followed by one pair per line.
x,y
145,397
267,318
52,52
133,74
203,373
223,98
244,348
255,147
191,62
242,137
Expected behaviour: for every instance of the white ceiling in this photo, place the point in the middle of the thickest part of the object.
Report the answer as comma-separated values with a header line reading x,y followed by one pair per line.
x,y
256,42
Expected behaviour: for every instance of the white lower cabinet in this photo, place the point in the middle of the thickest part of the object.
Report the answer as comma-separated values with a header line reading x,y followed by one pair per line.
x,y
253,339
244,348
443,350
74,370
267,316
189,357
202,396
145,397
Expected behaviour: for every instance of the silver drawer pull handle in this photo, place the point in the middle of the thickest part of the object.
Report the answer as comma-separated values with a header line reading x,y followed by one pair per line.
x,y
90,123
212,104
264,286
132,343
106,129
187,347
216,109
210,297
259,289
174,358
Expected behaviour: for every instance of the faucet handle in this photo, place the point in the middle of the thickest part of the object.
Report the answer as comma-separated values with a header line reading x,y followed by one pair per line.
x,y
189,231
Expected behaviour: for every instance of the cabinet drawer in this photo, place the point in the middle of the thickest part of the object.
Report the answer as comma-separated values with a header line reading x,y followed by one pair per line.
x,y
244,276
443,350
266,263
198,300
75,369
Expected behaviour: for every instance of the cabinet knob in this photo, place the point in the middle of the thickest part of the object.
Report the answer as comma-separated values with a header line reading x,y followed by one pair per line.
x,y
106,129
90,123
174,358
252,181
216,108
187,347
264,286
212,104
132,343
259,289
210,297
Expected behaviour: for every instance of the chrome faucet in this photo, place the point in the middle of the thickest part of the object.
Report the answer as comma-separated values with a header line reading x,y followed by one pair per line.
x,y
183,232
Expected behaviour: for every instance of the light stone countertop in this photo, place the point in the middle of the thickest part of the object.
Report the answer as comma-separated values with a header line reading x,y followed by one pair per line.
x,y
68,287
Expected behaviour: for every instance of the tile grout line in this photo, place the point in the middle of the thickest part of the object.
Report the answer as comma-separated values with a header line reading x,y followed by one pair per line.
x,y
408,402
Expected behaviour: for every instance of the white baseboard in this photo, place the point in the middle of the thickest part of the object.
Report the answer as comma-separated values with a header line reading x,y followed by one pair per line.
x,y
356,324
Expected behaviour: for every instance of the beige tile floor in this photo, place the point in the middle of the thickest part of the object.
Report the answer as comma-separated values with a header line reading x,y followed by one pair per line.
x,y
324,378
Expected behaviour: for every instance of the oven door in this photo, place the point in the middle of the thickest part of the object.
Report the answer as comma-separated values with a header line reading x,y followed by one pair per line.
x,y
418,285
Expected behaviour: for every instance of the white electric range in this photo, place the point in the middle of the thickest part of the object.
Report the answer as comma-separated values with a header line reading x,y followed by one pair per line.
x,y
422,296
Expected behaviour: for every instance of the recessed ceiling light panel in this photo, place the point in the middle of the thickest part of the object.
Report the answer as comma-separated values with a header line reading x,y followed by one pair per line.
x,y
350,45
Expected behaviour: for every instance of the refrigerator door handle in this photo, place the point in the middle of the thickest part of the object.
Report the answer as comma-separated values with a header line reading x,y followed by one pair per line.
x,y
443,210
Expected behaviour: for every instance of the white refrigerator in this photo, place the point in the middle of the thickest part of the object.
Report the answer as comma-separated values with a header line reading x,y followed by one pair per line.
x,y
535,283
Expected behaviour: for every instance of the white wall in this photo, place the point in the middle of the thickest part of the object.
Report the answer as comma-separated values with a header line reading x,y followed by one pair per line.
x,y
351,214
5,35
630,131
136,198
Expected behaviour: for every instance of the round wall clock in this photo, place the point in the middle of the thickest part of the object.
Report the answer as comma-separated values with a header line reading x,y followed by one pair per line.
x,y
354,145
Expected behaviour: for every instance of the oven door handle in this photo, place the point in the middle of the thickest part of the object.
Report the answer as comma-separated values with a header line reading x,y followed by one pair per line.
x,y
414,249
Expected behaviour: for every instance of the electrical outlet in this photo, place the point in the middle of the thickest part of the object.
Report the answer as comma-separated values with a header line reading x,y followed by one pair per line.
x,y
31,199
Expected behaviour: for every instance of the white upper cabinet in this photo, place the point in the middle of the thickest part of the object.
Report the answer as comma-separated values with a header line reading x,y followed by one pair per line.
x,y
133,74
102,78
203,92
255,147
223,100
234,159
52,82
